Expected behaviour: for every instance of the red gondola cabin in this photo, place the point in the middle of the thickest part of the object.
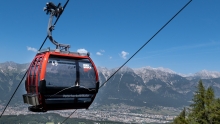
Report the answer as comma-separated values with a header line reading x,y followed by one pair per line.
x,y
60,80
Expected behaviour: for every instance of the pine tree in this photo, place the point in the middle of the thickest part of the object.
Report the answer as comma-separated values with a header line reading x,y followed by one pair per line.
x,y
210,105
198,112
205,109
215,112
181,118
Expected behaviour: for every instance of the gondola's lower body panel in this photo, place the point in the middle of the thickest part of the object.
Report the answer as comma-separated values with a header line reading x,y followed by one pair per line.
x,y
58,102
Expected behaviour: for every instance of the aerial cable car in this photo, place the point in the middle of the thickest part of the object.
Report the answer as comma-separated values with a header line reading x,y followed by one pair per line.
x,y
59,79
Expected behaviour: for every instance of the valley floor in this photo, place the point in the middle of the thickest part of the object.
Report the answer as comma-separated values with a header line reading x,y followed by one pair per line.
x,y
109,113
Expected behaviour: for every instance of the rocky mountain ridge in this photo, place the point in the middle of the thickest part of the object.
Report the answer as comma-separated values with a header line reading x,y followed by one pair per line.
x,y
145,86
147,73
161,86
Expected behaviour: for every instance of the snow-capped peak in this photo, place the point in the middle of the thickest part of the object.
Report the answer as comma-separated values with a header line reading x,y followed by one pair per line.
x,y
125,69
105,71
162,69
205,74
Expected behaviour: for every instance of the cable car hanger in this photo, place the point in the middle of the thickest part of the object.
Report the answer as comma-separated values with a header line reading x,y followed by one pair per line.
x,y
54,11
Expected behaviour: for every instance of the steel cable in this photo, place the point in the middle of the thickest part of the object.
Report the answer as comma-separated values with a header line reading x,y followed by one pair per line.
x,y
145,44
137,51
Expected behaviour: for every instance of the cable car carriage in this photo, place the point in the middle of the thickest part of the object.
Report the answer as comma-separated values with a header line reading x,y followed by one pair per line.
x,y
59,79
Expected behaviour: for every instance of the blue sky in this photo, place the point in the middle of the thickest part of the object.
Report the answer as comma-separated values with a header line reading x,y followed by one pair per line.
x,y
112,31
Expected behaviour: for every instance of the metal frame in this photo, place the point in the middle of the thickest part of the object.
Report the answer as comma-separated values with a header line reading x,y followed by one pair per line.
x,y
54,11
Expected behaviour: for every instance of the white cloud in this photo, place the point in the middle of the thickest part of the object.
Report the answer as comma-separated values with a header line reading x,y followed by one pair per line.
x,y
98,53
124,54
110,57
31,49
82,50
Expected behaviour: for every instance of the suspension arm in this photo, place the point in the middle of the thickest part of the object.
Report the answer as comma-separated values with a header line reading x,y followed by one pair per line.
x,y
54,11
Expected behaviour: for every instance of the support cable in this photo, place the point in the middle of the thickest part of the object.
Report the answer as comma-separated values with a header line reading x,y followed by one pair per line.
x,y
27,69
144,44
138,50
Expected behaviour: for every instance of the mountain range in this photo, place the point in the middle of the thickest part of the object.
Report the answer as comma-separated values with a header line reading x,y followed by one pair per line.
x,y
149,86
144,86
